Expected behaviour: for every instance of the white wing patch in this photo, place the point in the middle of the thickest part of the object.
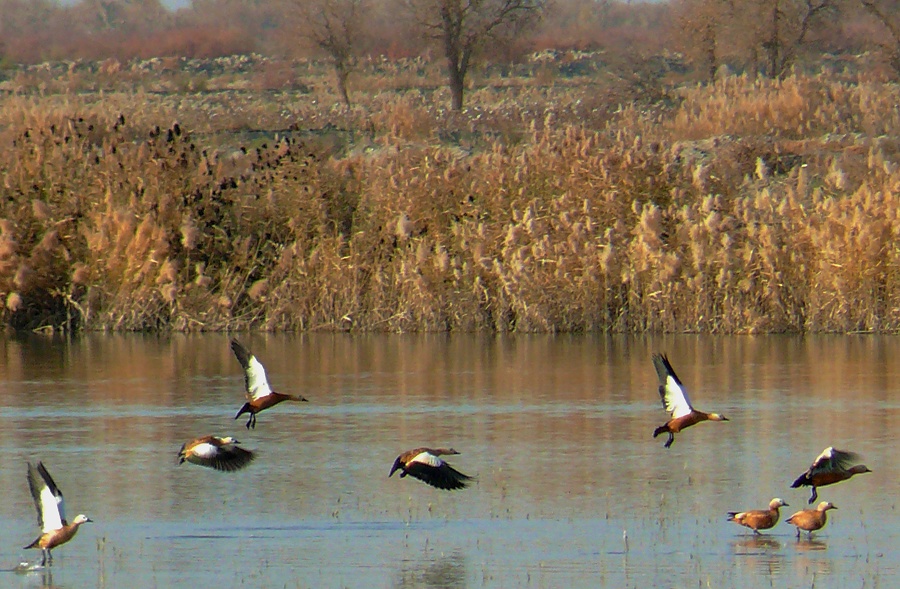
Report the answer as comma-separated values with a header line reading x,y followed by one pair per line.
x,y
257,384
428,459
205,450
827,454
677,402
52,510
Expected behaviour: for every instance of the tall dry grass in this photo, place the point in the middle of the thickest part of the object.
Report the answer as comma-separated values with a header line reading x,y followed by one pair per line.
x,y
742,206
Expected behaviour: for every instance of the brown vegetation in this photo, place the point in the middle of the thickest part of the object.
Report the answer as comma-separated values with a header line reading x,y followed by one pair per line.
x,y
741,206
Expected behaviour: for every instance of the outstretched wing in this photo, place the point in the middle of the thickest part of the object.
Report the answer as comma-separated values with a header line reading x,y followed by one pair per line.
x,y
226,457
671,391
255,380
434,471
48,499
831,460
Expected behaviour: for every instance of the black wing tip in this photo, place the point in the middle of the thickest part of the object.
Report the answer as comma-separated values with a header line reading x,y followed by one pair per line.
x,y
42,472
663,371
449,485
237,460
240,351
236,464
662,363
451,479
845,455
444,477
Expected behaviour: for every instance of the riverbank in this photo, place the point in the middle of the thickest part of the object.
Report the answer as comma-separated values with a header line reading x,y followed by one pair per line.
x,y
549,205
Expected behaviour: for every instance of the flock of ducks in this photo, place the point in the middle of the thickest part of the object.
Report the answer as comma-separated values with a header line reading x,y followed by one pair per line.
x,y
830,467
225,454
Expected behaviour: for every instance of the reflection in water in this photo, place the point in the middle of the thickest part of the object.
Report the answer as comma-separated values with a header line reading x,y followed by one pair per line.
x,y
810,545
812,558
755,544
444,571
557,428
36,576
760,552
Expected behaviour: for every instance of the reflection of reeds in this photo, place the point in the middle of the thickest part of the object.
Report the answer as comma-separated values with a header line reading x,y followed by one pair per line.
x,y
673,220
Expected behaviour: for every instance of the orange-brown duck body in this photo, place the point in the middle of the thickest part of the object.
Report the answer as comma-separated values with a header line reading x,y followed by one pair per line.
x,y
758,519
811,520
48,500
220,453
260,395
830,467
427,465
676,402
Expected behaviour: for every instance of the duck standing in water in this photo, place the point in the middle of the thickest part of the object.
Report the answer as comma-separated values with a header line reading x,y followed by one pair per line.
x,y
811,519
215,452
51,510
259,394
427,465
829,467
758,519
675,401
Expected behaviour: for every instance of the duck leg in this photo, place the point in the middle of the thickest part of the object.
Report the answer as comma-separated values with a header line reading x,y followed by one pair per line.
x,y
670,440
814,495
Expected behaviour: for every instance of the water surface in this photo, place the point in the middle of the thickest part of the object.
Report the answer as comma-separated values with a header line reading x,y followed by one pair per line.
x,y
557,430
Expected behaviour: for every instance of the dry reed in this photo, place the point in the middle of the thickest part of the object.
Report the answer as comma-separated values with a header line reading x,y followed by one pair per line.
x,y
744,206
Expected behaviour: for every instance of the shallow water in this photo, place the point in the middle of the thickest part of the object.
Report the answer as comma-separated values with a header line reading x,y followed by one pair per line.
x,y
556,429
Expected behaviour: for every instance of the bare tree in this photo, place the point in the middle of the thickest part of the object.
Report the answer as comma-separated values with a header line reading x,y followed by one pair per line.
x,y
765,35
335,27
779,28
464,27
886,13
699,24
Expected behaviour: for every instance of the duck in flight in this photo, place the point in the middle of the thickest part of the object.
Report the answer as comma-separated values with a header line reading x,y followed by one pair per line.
x,y
758,519
215,452
427,465
829,467
51,510
676,402
259,395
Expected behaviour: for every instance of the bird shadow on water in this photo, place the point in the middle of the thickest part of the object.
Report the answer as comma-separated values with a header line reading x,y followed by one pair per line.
x,y
446,571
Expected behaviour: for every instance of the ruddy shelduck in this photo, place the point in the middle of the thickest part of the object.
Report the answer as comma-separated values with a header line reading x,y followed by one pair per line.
x,y
675,401
51,510
829,467
259,394
811,520
220,453
758,519
427,465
